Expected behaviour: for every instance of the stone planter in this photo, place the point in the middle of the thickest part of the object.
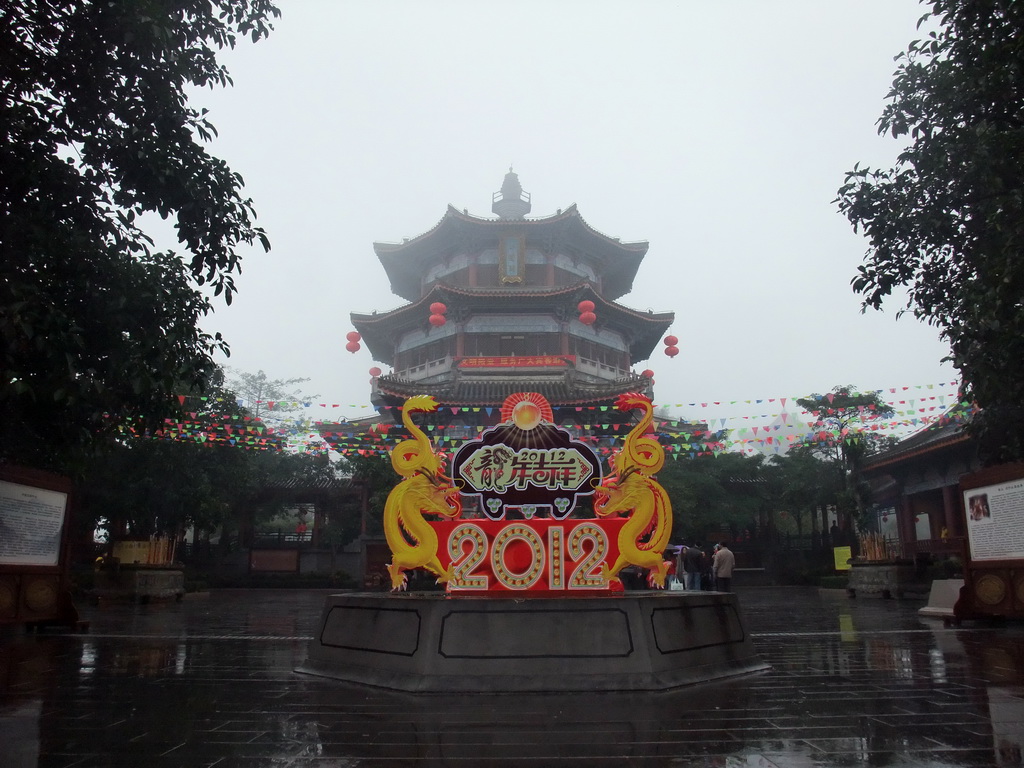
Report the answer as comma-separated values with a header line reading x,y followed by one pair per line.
x,y
140,583
881,579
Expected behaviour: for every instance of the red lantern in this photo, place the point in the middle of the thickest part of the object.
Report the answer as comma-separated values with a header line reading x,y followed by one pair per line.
x,y
375,371
648,374
588,318
353,336
585,306
437,308
437,320
352,346
672,351
671,341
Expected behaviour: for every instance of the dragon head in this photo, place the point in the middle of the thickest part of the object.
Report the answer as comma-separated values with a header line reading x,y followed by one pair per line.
x,y
609,495
437,494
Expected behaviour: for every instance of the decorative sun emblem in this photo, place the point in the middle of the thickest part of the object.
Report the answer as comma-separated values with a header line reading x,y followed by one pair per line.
x,y
526,415
526,410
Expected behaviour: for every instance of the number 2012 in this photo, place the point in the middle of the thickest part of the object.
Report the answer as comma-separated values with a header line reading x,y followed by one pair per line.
x,y
584,548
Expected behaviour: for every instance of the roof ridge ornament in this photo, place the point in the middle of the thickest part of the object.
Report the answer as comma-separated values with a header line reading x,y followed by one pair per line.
x,y
510,202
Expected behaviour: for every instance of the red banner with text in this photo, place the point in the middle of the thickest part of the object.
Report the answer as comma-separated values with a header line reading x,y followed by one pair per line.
x,y
517,361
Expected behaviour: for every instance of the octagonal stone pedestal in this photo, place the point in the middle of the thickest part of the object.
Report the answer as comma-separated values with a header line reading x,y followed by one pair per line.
x,y
644,641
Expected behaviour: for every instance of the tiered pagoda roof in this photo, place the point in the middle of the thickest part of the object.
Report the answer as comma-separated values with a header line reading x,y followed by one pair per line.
x,y
502,278
406,262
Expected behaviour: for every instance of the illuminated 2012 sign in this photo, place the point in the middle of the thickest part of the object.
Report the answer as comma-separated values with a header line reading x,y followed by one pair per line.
x,y
561,556
529,465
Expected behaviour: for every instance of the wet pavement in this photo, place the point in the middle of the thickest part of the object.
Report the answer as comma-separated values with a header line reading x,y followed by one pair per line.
x,y
210,682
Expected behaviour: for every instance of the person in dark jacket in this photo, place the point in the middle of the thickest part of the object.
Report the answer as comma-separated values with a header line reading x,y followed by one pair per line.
x,y
692,557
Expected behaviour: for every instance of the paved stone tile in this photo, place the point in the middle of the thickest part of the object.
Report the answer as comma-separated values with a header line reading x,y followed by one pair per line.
x,y
211,683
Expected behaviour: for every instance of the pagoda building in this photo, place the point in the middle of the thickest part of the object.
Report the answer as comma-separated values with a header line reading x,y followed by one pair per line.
x,y
511,304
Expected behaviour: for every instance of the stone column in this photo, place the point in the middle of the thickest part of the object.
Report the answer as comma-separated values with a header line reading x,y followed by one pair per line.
x,y
905,518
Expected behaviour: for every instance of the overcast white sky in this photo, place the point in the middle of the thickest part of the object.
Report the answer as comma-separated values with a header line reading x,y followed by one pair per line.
x,y
717,130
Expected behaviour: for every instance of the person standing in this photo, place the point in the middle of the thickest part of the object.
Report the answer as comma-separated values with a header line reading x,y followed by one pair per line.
x,y
723,564
707,575
691,564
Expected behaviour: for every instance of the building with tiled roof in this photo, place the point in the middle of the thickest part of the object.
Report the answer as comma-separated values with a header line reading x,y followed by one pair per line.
x,y
511,289
919,479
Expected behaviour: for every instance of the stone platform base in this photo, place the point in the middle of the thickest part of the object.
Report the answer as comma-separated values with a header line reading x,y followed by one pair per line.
x,y
645,641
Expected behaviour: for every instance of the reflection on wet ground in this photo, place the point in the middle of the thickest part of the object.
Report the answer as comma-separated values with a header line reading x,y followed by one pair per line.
x,y
210,682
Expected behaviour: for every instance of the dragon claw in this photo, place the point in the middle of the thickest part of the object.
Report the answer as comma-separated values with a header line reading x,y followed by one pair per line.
x,y
656,576
399,580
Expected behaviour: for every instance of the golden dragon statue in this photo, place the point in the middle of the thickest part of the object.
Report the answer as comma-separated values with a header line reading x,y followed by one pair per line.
x,y
631,489
425,490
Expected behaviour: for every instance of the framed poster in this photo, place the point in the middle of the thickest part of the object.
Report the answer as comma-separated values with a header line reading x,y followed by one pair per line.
x,y
31,524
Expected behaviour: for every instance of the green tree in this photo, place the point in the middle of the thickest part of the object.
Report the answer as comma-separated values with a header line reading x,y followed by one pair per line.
x,y
280,404
267,398
711,494
97,131
144,486
946,222
216,470
376,471
843,438
801,483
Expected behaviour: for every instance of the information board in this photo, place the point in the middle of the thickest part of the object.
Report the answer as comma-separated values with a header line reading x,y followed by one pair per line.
x,y
995,520
31,523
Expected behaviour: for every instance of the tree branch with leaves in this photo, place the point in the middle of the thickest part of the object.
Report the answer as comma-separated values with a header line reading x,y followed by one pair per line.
x,y
97,131
946,222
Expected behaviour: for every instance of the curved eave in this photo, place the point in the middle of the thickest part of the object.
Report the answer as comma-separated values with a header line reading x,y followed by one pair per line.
x,y
380,330
404,263
493,393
